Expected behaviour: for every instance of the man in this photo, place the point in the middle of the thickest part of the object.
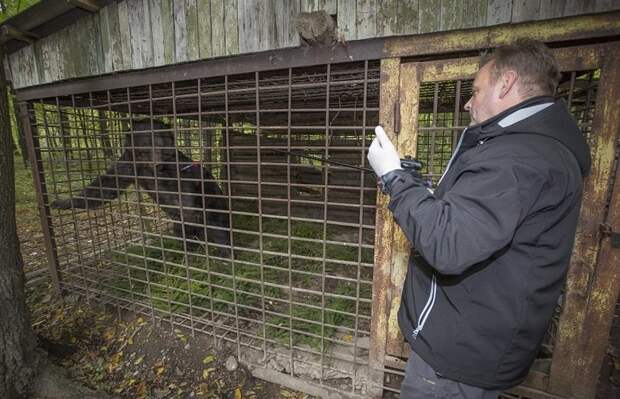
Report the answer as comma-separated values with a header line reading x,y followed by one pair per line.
x,y
493,241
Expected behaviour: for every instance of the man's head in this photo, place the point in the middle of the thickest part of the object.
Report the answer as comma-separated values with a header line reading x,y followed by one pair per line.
x,y
510,75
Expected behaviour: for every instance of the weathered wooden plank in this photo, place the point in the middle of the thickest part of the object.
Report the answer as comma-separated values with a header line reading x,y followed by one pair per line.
x,y
285,13
408,17
366,20
474,13
157,32
84,41
606,5
231,25
94,50
29,63
48,68
267,24
347,13
525,10
68,49
205,49
116,50
140,32
451,14
430,19
191,21
167,23
38,57
67,65
135,17
248,29
576,7
218,30
15,74
106,43
125,36
330,6
147,37
498,12
180,31
387,17
551,8
6,64
58,72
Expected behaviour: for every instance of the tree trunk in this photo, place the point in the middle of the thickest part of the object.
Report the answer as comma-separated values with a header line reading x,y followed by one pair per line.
x,y
18,359
23,148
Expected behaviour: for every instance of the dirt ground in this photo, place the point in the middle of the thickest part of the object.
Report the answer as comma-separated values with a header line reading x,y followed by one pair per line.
x,y
133,357
123,354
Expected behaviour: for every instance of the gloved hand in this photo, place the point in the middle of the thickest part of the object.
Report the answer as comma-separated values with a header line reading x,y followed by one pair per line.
x,y
382,155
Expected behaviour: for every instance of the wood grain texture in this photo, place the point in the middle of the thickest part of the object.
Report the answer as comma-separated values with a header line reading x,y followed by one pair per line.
x,y
231,27
157,32
248,29
191,24
125,35
429,16
525,10
218,31
203,9
366,19
347,24
498,12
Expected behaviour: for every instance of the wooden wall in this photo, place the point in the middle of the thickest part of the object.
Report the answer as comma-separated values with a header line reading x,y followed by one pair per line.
x,y
136,34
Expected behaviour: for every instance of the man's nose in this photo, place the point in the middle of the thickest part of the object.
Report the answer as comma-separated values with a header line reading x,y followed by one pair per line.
x,y
468,105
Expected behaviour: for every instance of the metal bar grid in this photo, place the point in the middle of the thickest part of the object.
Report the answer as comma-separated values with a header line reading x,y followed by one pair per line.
x,y
441,120
270,253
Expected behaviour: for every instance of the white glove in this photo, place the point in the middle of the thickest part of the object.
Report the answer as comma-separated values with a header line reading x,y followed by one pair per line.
x,y
382,155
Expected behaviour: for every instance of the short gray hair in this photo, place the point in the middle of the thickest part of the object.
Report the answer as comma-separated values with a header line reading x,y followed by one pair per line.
x,y
531,60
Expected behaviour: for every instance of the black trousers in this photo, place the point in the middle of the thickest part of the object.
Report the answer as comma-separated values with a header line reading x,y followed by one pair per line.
x,y
422,382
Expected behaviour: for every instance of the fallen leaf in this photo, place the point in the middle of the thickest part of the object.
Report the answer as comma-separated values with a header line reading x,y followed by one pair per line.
x,y
208,359
238,393
206,372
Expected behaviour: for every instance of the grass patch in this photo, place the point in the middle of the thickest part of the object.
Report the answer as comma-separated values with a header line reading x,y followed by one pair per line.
x,y
167,277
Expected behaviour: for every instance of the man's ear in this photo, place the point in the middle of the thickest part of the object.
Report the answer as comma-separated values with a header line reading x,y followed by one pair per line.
x,y
508,82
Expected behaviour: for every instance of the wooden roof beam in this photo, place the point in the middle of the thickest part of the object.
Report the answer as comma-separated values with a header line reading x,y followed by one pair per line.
x,y
88,5
8,32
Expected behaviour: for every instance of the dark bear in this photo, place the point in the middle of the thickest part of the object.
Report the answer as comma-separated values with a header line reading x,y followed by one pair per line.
x,y
184,190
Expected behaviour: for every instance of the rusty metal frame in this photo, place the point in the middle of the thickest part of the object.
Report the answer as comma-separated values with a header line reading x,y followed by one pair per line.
x,y
589,304
36,165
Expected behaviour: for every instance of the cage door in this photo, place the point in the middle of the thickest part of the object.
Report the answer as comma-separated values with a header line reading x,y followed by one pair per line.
x,y
422,111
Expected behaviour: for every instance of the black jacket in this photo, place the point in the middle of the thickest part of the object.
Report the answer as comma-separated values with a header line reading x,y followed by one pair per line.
x,y
497,236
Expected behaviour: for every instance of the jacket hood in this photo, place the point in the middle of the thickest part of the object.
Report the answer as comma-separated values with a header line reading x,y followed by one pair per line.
x,y
554,122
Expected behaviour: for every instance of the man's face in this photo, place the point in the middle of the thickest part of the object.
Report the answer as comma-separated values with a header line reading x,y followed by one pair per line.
x,y
484,102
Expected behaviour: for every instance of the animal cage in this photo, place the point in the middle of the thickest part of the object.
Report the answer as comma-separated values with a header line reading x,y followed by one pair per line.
x,y
202,201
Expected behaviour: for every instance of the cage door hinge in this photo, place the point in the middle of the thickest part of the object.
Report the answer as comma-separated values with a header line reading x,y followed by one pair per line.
x,y
397,117
607,231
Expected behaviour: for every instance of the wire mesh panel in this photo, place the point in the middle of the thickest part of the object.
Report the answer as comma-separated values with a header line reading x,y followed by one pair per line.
x,y
202,202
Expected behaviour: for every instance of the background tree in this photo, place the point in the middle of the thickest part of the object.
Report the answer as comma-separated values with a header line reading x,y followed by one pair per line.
x,y
18,356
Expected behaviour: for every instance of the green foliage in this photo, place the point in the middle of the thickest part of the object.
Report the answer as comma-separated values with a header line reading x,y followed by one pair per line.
x,y
254,286
10,8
